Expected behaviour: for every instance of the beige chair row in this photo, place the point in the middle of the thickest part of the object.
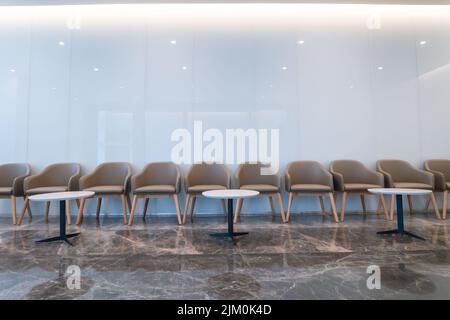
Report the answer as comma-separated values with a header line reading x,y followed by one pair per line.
x,y
164,180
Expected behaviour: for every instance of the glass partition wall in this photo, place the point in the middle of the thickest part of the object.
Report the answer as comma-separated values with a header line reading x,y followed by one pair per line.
x,y
99,83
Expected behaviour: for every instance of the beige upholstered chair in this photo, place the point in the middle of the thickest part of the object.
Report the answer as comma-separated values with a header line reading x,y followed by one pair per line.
x,y
58,177
309,178
12,176
440,168
402,174
110,179
353,177
202,177
249,176
157,180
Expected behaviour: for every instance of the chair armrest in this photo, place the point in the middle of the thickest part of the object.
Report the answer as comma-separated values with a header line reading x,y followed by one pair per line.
x,y
87,181
439,180
388,181
137,181
127,183
424,176
18,185
32,182
287,181
74,182
338,180
178,182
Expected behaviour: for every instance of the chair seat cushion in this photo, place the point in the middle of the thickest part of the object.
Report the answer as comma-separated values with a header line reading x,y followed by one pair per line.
x,y
41,190
6,190
106,189
359,186
205,187
306,187
161,188
412,185
260,187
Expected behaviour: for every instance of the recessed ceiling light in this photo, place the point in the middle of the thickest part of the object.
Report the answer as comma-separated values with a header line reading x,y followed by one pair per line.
x,y
301,41
96,69
12,70
61,43
173,42
284,68
380,68
184,67
423,42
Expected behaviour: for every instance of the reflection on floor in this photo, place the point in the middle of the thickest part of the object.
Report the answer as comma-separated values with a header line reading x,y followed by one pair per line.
x,y
309,258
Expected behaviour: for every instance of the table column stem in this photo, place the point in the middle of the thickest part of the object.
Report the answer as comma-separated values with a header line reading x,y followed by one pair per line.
x,y
230,217
62,218
399,201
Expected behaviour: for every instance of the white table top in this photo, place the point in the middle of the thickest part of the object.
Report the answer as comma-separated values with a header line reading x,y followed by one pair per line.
x,y
399,191
230,194
70,195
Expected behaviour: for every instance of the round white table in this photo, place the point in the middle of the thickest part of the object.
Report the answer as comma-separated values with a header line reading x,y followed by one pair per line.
x,y
230,195
399,193
61,197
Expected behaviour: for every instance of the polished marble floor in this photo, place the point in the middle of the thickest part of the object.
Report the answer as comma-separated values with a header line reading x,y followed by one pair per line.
x,y
309,258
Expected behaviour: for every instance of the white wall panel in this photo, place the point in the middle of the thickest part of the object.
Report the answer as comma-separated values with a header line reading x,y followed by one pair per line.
x,y
111,83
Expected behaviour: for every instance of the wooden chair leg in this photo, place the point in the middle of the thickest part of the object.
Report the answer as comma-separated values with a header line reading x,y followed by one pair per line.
x,y
435,205
47,209
124,207
186,207
272,206
194,200
13,209
30,215
444,204
146,201
26,203
78,203
383,204
379,206
133,209
224,206
410,206
238,209
363,203
81,211
68,212
343,202
392,202
333,207
290,199
322,205
99,206
177,207
280,203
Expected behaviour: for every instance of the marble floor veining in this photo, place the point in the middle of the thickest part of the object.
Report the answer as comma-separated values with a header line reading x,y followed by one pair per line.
x,y
309,258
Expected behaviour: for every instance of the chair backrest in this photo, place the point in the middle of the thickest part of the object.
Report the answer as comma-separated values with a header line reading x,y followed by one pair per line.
x,y
158,173
440,165
309,172
252,173
204,173
59,174
353,171
10,171
399,170
111,173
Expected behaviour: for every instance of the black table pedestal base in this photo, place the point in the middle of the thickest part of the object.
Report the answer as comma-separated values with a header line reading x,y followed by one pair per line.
x,y
59,238
62,227
230,234
400,227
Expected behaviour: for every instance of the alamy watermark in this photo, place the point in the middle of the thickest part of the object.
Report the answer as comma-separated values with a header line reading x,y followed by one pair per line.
x,y
233,146
374,280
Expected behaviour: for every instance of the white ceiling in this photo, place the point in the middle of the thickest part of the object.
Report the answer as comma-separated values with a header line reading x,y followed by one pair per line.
x,y
74,2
